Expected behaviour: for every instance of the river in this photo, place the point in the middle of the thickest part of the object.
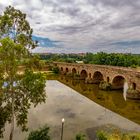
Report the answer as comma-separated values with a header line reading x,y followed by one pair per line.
x,y
115,101
83,114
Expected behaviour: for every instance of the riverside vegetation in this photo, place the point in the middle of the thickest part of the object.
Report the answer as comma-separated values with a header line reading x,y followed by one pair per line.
x,y
114,134
101,58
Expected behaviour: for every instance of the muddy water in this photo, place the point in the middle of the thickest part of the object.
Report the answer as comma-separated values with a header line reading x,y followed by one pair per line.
x,y
81,114
113,100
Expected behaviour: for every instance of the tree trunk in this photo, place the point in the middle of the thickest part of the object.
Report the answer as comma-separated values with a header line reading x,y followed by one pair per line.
x,y
12,121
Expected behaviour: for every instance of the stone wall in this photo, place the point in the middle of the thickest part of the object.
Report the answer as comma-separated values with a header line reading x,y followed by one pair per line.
x,y
131,76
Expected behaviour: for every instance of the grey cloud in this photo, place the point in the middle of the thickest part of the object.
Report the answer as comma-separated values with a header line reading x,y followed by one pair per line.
x,y
116,3
69,10
90,25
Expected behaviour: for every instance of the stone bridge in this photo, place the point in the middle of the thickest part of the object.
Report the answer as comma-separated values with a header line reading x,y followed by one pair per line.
x,y
114,75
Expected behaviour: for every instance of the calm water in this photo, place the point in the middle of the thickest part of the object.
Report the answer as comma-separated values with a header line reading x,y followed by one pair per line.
x,y
112,100
82,115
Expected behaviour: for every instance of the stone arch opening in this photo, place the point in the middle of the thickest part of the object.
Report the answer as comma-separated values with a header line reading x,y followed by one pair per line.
x,y
67,70
134,86
61,68
118,82
97,77
74,71
108,80
83,74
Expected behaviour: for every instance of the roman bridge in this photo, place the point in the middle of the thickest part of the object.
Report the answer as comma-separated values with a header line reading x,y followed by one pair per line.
x,y
114,75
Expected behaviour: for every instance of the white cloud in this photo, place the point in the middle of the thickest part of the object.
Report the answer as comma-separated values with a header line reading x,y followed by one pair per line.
x,y
82,24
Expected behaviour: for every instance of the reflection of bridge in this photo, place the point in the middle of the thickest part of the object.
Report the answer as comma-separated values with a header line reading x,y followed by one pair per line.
x,y
112,74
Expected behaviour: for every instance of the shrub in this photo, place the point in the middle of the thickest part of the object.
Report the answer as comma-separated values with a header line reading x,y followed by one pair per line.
x,y
80,137
55,70
40,134
101,135
105,85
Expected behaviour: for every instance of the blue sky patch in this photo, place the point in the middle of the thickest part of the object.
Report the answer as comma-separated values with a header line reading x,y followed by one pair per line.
x,y
45,42
127,43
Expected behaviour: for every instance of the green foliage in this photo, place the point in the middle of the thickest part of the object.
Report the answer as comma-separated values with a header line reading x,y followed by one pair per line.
x,y
101,135
13,23
116,135
113,59
101,58
34,63
17,93
69,58
41,134
134,136
80,137
55,70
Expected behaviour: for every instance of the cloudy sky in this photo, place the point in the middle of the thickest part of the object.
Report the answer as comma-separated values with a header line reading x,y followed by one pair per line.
x,y
75,26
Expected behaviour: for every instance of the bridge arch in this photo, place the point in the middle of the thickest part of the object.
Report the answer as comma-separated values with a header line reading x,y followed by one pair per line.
x,y
134,86
67,70
74,71
83,74
61,68
97,77
118,82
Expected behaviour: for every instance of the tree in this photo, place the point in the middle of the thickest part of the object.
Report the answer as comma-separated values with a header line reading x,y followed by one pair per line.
x,y
17,92
40,134
13,23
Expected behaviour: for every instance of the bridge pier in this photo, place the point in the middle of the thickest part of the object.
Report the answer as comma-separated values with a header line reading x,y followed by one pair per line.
x,y
89,79
133,92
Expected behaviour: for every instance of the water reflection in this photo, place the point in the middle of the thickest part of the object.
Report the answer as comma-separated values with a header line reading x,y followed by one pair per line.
x,y
112,100
125,88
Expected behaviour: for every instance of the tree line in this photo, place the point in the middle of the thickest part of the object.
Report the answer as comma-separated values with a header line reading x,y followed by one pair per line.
x,y
101,58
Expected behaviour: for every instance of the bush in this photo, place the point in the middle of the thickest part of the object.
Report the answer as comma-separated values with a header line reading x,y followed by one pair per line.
x,y
40,134
101,135
80,137
55,70
134,66
133,94
105,85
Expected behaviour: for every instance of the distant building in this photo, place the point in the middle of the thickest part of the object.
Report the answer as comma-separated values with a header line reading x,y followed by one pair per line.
x,y
79,62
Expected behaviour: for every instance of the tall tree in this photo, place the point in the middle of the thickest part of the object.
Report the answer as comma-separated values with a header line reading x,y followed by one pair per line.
x,y
13,23
17,92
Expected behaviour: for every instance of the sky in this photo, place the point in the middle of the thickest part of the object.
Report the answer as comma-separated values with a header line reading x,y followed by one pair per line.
x,y
79,26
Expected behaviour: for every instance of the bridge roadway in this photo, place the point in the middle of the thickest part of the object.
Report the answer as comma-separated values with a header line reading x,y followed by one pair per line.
x,y
96,73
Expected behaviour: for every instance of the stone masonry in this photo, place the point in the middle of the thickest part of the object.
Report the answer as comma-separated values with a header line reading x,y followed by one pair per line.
x,y
108,73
